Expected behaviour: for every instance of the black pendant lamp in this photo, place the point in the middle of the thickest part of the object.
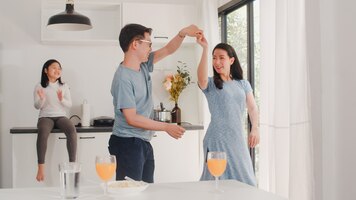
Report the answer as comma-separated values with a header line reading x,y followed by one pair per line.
x,y
69,20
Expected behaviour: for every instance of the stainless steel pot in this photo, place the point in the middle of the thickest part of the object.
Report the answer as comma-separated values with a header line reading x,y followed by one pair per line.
x,y
162,116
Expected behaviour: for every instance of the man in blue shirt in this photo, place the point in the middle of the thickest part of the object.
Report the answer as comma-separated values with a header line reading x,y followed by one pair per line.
x,y
132,97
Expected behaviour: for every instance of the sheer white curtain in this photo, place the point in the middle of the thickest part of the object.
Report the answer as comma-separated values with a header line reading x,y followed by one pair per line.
x,y
208,15
286,140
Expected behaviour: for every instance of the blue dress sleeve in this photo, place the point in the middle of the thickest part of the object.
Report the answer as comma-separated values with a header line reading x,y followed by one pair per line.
x,y
210,85
246,86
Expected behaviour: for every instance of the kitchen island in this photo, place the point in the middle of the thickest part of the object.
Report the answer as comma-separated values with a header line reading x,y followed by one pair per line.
x,y
199,190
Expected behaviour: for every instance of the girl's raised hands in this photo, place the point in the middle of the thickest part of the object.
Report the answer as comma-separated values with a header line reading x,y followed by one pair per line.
x,y
60,94
41,94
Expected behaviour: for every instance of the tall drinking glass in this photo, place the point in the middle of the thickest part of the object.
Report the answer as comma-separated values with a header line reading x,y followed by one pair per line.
x,y
216,164
105,168
69,175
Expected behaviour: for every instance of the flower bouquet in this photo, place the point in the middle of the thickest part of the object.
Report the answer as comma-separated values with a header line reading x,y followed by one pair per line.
x,y
175,84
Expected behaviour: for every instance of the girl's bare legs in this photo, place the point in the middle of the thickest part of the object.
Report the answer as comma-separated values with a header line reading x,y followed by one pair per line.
x,y
40,173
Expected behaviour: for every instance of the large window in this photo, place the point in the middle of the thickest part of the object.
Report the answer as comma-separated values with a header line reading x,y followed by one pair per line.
x,y
239,27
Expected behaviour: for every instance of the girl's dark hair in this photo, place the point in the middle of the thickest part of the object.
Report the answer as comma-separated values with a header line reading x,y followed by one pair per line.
x,y
130,32
236,72
44,77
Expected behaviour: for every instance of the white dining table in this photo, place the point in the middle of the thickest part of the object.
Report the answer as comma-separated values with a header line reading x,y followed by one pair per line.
x,y
202,190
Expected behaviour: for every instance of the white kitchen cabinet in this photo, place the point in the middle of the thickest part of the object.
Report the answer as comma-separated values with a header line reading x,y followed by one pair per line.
x,y
104,16
25,160
25,157
166,20
91,145
176,160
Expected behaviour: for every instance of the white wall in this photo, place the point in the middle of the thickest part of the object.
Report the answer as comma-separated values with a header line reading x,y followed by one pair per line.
x,y
88,69
222,2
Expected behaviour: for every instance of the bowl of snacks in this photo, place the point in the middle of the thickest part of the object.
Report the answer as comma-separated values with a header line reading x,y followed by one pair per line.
x,y
126,187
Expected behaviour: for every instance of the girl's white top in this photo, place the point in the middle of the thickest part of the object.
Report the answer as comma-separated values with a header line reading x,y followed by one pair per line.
x,y
50,106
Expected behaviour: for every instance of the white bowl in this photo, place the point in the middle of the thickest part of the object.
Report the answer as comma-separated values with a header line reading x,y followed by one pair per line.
x,y
126,187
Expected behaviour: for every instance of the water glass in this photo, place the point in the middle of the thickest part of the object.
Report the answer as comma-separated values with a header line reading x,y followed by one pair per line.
x,y
69,179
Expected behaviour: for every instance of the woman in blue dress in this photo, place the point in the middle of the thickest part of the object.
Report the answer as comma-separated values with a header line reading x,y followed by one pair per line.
x,y
228,95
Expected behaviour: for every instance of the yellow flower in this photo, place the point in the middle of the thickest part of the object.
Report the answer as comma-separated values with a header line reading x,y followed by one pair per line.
x,y
176,83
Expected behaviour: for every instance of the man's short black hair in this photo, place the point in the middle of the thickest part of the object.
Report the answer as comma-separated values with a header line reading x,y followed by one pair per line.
x,y
130,32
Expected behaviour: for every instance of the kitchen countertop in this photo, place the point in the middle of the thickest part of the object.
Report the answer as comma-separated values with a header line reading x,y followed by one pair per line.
x,y
90,129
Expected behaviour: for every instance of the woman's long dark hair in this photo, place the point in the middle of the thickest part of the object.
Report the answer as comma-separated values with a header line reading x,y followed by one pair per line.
x,y
44,77
236,72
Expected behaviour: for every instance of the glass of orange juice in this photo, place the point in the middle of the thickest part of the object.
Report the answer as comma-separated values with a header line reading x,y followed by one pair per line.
x,y
216,164
105,168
